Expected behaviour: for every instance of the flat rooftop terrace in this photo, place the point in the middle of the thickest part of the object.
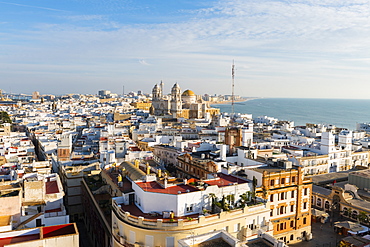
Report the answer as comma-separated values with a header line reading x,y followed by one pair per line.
x,y
330,177
226,180
31,234
171,189
135,211
362,173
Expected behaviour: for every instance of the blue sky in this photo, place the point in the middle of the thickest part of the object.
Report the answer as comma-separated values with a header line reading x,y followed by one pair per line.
x,y
291,48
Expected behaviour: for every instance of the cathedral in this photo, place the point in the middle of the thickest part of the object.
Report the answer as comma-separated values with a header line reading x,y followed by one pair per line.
x,y
180,105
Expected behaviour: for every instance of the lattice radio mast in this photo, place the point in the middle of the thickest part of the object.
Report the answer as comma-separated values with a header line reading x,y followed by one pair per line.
x,y
232,87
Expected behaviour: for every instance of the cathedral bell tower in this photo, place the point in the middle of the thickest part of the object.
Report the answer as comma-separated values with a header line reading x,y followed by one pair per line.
x,y
176,104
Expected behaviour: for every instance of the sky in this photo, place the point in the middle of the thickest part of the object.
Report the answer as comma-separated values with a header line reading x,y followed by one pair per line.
x,y
280,48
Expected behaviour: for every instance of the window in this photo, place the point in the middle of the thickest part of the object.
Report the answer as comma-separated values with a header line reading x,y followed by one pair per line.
x,y
304,220
272,182
189,208
318,202
272,198
149,240
293,179
281,209
272,212
292,223
354,215
305,191
291,208
291,237
132,237
282,196
345,210
236,227
305,205
38,222
283,181
170,241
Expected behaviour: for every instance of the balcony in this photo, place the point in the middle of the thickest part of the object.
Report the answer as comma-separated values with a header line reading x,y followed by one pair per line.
x,y
133,215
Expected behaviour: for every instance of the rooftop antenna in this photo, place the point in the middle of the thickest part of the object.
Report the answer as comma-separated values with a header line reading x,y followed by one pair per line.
x,y
232,93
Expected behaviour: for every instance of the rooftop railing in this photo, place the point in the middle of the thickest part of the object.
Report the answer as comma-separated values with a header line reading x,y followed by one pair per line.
x,y
163,223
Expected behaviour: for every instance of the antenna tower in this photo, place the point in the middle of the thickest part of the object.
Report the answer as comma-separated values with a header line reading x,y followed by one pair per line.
x,y
232,87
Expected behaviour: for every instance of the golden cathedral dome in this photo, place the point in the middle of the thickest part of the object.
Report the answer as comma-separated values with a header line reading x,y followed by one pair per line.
x,y
188,93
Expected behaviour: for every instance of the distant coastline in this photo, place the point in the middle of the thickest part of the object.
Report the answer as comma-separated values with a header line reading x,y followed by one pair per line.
x,y
225,102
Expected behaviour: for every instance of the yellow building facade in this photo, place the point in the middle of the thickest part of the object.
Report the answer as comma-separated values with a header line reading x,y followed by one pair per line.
x,y
131,230
289,194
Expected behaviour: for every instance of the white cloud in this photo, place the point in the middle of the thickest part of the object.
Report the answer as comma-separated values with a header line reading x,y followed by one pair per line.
x,y
292,42
143,62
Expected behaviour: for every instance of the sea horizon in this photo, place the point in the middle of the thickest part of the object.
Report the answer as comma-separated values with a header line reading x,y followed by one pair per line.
x,y
344,113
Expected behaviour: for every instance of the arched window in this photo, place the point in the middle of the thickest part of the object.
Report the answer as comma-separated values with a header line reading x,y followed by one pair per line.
x,y
345,211
318,202
354,214
327,205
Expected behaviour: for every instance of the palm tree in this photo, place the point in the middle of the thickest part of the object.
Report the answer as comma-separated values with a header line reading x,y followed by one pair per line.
x,y
213,196
245,198
224,204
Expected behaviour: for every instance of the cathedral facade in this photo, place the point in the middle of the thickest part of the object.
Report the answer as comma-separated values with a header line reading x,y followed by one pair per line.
x,y
179,105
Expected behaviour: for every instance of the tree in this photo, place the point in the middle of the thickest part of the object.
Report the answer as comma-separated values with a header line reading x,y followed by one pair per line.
x,y
224,204
362,217
4,117
244,198
213,196
254,183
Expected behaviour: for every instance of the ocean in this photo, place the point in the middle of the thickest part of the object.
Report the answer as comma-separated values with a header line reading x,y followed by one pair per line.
x,y
339,112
